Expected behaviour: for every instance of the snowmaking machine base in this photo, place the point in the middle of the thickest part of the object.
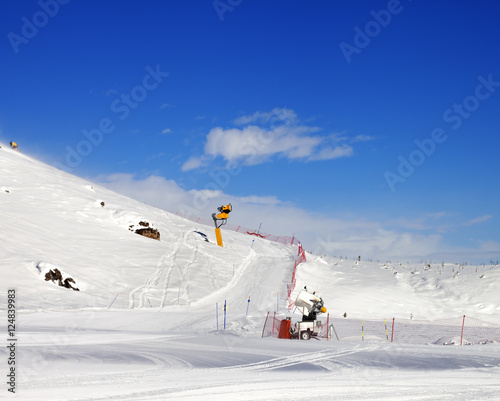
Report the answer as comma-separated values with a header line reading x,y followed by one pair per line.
x,y
310,306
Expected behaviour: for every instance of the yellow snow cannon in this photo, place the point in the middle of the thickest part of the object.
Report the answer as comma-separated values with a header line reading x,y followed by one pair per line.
x,y
221,219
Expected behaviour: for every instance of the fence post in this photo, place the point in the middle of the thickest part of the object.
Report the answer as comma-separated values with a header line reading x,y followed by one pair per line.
x,y
327,324
265,324
274,320
386,335
392,334
224,314
362,331
113,300
335,331
462,335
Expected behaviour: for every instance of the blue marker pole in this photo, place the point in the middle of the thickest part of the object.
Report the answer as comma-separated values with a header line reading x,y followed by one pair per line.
x,y
217,314
224,314
113,301
248,304
258,232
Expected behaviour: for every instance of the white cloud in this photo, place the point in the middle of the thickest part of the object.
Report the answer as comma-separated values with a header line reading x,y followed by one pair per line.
x,y
264,135
480,219
253,144
333,153
260,200
277,116
319,233
362,138
154,190
166,131
192,163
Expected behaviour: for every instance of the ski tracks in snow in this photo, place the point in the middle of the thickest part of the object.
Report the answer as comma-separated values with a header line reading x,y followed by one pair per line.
x,y
167,262
321,359
174,273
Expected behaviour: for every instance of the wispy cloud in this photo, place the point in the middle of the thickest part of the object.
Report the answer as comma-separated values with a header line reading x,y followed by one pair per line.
x,y
263,135
362,138
429,221
166,131
260,200
283,115
322,234
113,92
193,163
477,220
155,156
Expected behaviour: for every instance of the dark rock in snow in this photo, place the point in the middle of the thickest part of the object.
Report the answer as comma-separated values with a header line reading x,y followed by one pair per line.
x,y
56,276
149,232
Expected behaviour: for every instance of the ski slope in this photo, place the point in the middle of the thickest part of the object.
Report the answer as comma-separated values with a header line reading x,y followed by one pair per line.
x,y
159,339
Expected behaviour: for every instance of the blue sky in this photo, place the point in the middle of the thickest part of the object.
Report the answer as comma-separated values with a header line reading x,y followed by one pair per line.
x,y
368,127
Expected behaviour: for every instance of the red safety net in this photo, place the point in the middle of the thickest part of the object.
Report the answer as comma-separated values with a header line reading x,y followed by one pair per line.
x,y
301,256
455,331
272,326
282,239
460,330
290,287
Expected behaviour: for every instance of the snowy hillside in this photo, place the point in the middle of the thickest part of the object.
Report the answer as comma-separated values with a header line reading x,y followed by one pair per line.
x,y
143,325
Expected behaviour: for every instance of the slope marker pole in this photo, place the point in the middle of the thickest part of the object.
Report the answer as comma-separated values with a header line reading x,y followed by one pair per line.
x,y
113,301
462,335
258,232
224,314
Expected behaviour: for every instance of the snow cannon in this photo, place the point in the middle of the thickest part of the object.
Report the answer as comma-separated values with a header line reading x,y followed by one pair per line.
x,y
310,306
221,219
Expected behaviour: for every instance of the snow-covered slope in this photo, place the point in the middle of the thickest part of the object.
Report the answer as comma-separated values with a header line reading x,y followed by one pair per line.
x,y
159,339
55,219
426,291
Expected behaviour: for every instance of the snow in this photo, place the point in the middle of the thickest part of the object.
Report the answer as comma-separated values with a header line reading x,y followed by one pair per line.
x,y
159,339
